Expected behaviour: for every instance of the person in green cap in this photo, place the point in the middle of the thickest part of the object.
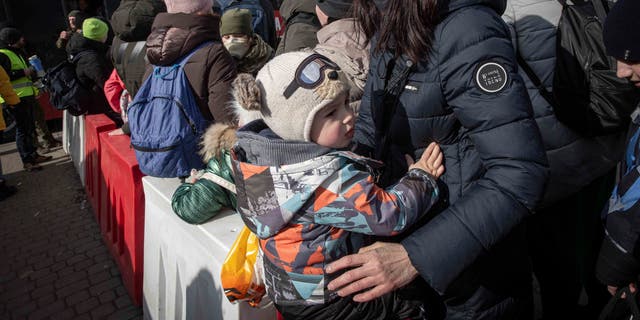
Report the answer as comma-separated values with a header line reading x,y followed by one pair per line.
x,y
245,46
89,51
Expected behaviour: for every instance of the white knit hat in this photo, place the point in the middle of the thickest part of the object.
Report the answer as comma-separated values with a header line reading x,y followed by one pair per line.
x,y
291,117
188,6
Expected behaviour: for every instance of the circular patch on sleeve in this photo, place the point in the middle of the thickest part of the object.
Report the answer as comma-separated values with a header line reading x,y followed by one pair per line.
x,y
491,77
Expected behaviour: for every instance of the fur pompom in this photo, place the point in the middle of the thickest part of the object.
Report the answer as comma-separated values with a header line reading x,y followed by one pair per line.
x,y
246,92
217,138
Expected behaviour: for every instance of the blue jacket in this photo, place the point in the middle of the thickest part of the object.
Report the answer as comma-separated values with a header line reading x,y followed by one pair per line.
x,y
467,96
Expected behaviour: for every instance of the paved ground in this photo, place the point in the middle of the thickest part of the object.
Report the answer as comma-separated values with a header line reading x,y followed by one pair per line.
x,y
53,262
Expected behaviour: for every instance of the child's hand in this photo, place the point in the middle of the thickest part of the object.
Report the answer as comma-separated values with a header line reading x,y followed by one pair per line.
x,y
430,161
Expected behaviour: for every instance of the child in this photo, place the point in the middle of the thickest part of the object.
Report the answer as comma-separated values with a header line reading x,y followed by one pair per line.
x,y
309,202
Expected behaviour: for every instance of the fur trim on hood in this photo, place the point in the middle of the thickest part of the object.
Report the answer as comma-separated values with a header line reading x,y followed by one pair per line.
x,y
217,138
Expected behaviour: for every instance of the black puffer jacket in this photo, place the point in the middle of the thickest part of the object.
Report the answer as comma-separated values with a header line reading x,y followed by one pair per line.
x,y
301,25
92,68
132,24
210,70
468,97
574,161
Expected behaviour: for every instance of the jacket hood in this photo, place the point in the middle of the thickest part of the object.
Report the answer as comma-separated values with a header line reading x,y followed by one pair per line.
x,y
448,6
78,43
217,138
133,19
289,8
341,42
266,161
174,35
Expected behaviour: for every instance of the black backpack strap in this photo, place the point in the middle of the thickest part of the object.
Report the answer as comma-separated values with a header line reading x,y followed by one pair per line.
x,y
601,10
548,96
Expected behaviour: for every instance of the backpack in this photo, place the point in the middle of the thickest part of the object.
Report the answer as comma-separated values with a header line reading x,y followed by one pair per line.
x,y
259,17
166,123
66,92
587,95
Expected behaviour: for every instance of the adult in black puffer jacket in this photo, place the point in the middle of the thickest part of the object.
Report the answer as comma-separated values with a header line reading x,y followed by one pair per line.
x,y
463,92
132,22
566,230
92,65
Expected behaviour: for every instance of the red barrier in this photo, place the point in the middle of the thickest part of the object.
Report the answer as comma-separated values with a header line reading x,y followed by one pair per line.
x,y
94,180
49,111
122,223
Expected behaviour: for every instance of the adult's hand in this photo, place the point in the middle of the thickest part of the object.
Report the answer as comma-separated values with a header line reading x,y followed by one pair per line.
x,y
378,269
613,290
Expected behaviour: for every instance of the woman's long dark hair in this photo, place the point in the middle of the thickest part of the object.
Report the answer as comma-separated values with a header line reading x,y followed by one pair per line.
x,y
403,26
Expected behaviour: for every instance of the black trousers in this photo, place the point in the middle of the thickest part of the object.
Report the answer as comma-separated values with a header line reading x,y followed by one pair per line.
x,y
25,128
398,305
564,240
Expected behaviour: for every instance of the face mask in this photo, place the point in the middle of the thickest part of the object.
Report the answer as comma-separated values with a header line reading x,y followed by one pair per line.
x,y
237,47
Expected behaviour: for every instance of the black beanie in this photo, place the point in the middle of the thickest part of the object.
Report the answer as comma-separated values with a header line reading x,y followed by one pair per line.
x,y
10,35
622,31
337,9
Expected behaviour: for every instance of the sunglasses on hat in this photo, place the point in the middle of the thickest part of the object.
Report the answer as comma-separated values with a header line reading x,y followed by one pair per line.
x,y
310,73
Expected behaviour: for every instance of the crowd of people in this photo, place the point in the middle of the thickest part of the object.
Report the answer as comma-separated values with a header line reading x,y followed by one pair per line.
x,y
393,156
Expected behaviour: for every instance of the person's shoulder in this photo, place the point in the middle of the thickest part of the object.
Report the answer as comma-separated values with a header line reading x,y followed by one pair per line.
x,y
470,21
469,26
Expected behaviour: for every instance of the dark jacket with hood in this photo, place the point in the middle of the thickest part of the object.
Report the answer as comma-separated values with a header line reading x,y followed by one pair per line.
x,y
301,25
574,161
92,68
131,23
210,70
467,96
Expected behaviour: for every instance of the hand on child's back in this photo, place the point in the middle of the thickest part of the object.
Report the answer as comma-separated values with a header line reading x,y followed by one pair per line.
x,y
430,161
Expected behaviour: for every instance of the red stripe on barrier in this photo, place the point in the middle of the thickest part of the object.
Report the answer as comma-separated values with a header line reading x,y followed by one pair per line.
x,y
122,225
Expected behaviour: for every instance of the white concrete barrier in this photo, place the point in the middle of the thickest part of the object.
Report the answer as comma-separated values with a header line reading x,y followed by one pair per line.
x,y
73,141
182,262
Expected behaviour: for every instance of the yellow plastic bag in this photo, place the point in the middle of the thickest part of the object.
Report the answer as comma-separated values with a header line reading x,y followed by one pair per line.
x,y
240,275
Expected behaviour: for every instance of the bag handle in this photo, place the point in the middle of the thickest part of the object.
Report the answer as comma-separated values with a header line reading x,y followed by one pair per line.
x,y
601,10
630,299
220,181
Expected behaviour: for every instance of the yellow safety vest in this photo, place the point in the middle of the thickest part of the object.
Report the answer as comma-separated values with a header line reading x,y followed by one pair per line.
x,y
23,86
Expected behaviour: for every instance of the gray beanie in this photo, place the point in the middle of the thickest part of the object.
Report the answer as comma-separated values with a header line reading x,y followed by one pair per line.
x,y
291,117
